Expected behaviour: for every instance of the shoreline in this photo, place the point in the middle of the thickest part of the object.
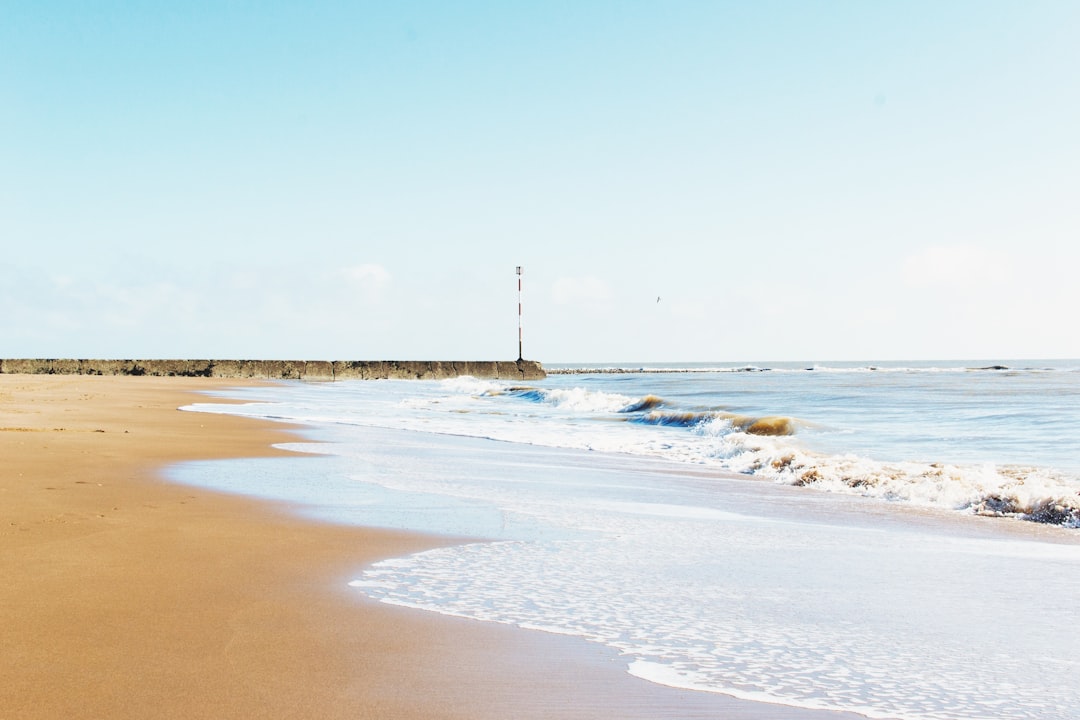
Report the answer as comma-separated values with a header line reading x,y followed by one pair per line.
x,y
129,596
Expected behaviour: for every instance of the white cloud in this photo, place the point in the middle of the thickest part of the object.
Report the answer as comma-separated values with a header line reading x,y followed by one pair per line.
x,y
370,279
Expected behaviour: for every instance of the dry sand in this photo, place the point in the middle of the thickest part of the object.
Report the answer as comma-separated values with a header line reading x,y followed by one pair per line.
x,y
124,596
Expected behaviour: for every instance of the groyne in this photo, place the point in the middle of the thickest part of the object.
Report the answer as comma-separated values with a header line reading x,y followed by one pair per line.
x,y
326,370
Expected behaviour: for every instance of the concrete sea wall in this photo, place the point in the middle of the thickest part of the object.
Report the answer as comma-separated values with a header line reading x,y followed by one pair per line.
x,y
284,369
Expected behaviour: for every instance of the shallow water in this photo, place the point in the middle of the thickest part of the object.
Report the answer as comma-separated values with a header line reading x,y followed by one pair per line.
x,y
702,578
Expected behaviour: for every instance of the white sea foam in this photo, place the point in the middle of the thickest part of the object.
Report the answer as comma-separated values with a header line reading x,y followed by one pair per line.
x,y
575,399
596,418
719,437
758,590
767,608
1032,493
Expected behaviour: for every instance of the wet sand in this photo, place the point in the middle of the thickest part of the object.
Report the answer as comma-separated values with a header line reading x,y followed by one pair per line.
x,y
125,596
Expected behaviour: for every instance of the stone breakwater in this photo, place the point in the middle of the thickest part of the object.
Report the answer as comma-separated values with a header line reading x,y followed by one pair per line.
x,y
284,369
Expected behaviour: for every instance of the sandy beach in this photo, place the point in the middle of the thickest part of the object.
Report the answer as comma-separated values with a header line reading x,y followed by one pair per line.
x,y
125,596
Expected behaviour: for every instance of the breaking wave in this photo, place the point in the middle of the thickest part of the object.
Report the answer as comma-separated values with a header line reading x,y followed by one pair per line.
x,y
648,410
742,423
763,446
571,399
1024,492
1027,493
649,402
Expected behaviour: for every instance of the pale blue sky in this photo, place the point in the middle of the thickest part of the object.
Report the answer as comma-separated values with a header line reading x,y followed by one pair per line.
x,y
358,180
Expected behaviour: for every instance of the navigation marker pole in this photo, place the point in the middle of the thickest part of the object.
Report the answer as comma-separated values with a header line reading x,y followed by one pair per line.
x,y
520,356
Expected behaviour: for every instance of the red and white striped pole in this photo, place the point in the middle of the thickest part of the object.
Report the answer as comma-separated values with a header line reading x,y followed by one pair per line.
x,y
520,356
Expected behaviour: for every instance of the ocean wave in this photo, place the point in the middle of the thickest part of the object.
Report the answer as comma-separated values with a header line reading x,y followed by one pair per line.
x,y
762,446
573,399
771,425
1027,493
649,402
469,385
672,418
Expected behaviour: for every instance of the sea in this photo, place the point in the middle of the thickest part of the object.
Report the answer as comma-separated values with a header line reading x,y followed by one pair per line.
x,y
899,540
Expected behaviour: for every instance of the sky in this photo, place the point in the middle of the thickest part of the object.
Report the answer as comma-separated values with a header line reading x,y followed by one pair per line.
x,y
680,181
